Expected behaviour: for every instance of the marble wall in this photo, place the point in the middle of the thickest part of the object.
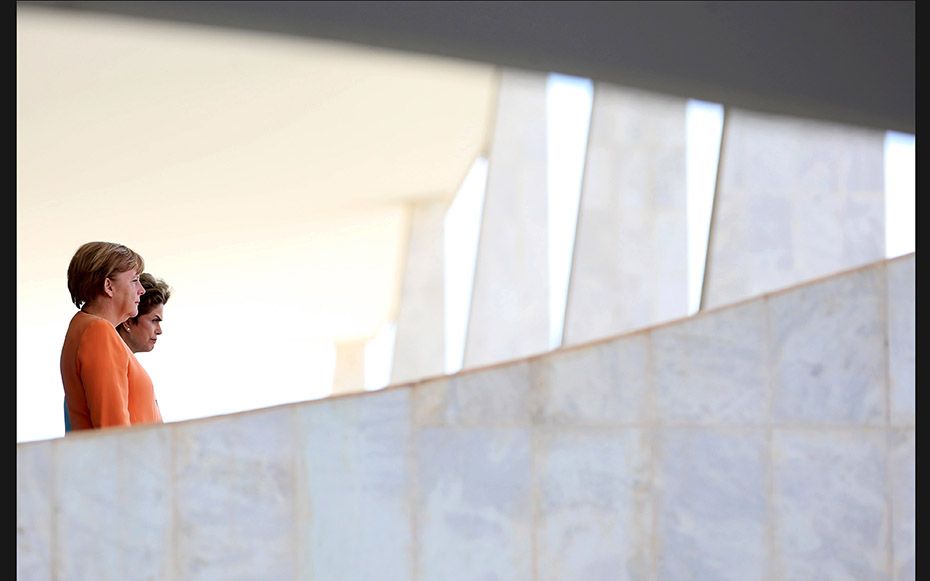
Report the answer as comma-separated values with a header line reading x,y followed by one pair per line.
x,y
419,339
796,199
769,439
630,261
509,315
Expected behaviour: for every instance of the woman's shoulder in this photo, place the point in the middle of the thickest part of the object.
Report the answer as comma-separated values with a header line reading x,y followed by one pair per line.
x,y
94,326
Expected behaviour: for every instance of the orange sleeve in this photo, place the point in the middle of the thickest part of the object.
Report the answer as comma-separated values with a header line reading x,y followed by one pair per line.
x,y
104,370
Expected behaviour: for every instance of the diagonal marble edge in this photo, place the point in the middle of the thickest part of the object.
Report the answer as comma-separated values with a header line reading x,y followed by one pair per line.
x,y
828,349
530,359
901,257
650,328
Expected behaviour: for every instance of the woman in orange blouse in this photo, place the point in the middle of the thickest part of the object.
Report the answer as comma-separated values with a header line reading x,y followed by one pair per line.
x,y
141,332
104,384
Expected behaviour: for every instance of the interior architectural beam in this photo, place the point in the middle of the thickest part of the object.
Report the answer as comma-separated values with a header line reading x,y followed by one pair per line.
x,y
849,62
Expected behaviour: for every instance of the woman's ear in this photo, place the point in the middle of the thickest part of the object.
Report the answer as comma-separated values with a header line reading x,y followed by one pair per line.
x,y
108,287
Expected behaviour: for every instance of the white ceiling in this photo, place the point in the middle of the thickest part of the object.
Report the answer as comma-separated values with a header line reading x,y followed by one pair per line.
x,y
259,173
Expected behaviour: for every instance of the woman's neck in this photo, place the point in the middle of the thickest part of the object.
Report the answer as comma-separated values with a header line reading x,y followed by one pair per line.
x,y
103,311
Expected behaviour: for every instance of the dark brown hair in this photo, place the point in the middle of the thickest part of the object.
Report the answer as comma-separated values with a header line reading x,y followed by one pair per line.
x,y
157,292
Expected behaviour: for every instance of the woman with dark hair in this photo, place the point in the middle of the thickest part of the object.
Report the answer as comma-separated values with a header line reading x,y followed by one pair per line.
x,y
104,384
141,332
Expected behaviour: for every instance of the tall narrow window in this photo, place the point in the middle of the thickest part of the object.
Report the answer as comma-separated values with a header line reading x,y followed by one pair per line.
x,y
900,194
704,122
568,118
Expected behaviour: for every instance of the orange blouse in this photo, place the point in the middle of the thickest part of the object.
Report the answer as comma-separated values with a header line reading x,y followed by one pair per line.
x,y
104,383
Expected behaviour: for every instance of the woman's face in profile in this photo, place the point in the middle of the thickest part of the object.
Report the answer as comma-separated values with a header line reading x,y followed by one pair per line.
x,y
142,335
126,290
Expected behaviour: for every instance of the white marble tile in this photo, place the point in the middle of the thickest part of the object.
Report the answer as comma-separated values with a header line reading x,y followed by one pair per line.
x,y
904,503
594,505
147,503
602,384
496,396
797,199
235,489
862,218
714,368
34,511
712,512
901,339
864,170
429,401
630,263
355,483
829,350
474,504
830,504
86,484
113,490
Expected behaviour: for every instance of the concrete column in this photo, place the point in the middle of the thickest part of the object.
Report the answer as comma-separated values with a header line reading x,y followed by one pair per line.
x,y
796,200
630,263
509,310
349,374
419,339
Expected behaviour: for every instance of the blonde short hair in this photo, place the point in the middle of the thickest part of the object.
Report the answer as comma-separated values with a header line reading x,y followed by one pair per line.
x,y
93,263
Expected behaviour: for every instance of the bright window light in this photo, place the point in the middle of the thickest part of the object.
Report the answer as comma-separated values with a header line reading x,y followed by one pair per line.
x,y
900,194
568,118
704,126
461,230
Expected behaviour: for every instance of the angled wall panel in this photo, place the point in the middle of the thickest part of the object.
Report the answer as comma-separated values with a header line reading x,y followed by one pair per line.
x,y
630,265
509,312
796,200
419,338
